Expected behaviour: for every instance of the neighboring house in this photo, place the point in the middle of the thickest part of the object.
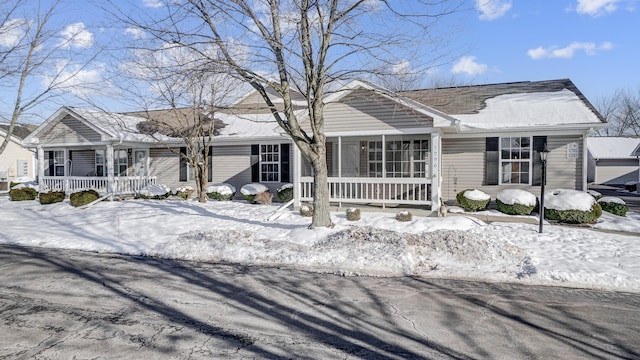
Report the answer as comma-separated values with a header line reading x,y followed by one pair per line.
x,y
16,161
383,148
613,160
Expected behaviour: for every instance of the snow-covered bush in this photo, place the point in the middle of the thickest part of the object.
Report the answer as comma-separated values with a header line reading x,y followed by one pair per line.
x,y
631,186
52,197
157,192
285,192
404,215
183,192
84,197
612,205
21,193
595,194
306,210
571,206
515,202
221,191
250,191
23,181
473,200
353,214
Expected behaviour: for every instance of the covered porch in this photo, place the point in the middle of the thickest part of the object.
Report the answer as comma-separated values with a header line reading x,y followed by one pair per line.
x,y
107,169
384,170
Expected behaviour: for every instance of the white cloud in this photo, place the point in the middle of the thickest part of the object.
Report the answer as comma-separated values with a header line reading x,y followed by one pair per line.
x,y
468,65
12,32
400,68
75,35
568,52
492,9
136,33
596,7
77,80
152,3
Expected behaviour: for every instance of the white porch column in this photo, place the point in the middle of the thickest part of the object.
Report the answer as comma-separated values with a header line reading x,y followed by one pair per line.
x,y
297,174
436,179
109,164
40,164
585,159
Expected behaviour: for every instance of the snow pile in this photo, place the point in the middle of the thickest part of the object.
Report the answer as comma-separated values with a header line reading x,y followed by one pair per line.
x,y
566,199
476,195
516,196
155,190
222,189
253,189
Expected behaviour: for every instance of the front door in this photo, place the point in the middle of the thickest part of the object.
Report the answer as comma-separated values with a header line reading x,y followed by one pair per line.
x,y
140,157
350,158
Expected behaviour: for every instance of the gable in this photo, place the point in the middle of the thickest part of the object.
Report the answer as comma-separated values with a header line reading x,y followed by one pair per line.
x,y
70,130
363,110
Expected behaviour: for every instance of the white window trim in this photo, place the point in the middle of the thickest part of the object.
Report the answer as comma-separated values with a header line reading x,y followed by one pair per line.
x,y
104,162
260,163
64,162
529,161
116,164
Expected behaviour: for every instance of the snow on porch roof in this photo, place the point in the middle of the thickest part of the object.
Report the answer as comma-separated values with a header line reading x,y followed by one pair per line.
x,y
613,147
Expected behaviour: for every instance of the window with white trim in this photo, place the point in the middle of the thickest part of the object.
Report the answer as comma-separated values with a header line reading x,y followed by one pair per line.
x,y
120,162
58,162
420,161
375,158
270,163
515,160
100,161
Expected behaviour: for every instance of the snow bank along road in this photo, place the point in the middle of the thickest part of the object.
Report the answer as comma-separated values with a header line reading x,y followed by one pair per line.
x,y
66,303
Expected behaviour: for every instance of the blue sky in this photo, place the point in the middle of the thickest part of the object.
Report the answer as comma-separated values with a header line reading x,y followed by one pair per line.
x,y
595,43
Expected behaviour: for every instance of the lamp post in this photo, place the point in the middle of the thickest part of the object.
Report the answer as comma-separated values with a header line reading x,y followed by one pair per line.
x,y
543,156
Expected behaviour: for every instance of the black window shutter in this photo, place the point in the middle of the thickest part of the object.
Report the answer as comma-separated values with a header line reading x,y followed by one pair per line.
x,y
284,163
51,164
255,163
538,144
210,164
492,165
183,164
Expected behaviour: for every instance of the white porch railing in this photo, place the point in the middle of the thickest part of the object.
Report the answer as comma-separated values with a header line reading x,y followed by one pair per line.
x,y
71,184
409,191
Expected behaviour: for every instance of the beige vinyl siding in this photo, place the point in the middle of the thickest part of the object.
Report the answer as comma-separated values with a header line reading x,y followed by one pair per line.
x,y
364,112
70,131
165,166
83,163
232,165
616,171
463,167
10,157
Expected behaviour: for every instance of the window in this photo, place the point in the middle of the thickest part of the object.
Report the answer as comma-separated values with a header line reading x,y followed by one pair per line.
x,y
120,162
398,159
270,163
375,158
515,160
58,162
100,161
420,158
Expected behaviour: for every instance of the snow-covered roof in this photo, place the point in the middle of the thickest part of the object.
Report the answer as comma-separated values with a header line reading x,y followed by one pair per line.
x,y
251,125
530,110
612,147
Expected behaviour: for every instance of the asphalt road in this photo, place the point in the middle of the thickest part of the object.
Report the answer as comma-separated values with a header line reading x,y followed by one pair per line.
x,y
57,304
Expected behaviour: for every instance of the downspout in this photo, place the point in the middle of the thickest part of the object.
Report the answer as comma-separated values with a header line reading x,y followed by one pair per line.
x,y
585,186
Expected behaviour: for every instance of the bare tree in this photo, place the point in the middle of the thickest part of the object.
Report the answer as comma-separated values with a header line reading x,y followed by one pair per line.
x,y
33,51
189,92
622,112
303,46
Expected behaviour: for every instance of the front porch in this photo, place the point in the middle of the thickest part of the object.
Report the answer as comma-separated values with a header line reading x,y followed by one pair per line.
x,y
121,185
380,170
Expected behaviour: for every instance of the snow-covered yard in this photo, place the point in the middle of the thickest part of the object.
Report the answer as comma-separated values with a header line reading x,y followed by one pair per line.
x,y
456,246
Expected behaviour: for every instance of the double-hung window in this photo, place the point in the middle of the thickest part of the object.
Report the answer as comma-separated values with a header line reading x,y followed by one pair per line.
x,y
58,162
515,160
100,161
403,158
270,163
120,162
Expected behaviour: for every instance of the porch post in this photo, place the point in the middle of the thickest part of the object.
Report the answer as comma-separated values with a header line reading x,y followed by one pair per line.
x,y
340,170
109,164
384,172
40,166
297,173
436,141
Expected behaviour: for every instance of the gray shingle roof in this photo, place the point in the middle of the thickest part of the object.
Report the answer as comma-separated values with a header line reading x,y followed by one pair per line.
x,y
472,99
20,131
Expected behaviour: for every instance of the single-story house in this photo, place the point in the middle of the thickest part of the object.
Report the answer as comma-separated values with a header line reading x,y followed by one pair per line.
x,y
613,160
386,148
16,161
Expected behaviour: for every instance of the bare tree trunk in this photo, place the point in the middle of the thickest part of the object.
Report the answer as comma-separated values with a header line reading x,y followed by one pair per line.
x,y
321,205
202,183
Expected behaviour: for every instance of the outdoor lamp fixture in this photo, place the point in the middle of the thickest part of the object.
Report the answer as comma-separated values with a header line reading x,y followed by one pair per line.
x,y
543,156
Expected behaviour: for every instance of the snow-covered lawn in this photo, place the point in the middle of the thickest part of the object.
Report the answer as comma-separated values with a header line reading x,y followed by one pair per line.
x,y
456,246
